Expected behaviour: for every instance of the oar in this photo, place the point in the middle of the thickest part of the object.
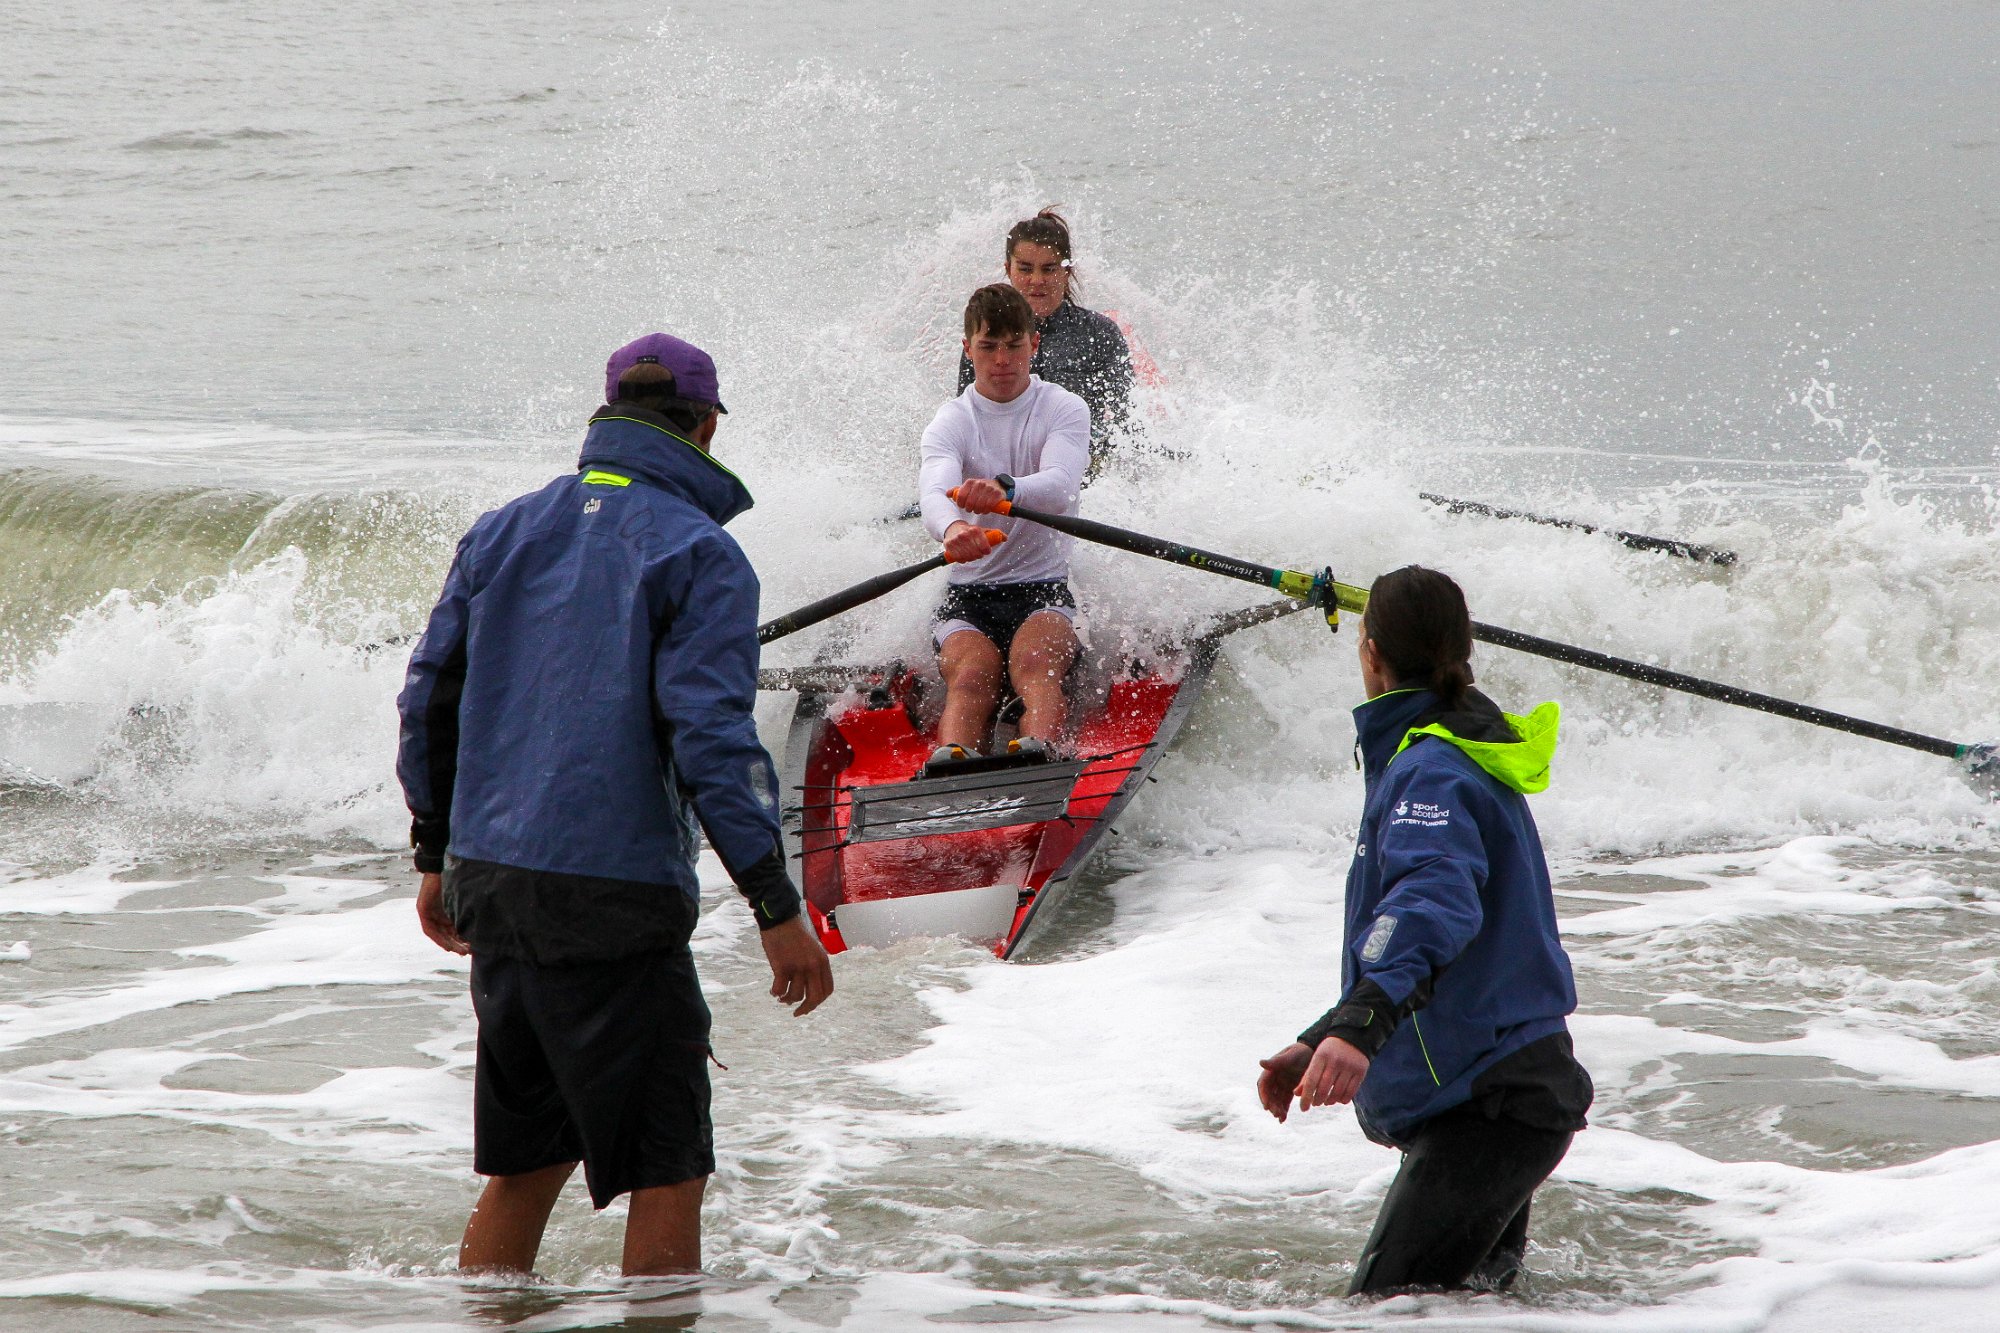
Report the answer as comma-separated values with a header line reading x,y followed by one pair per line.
x,y
1638,541
1318,590
865,591
1979,761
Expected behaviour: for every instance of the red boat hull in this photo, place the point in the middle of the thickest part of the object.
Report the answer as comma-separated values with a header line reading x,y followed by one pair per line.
x,y
867,830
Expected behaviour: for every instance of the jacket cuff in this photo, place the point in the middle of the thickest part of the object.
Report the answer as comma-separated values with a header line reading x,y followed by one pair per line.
x,y
430,836
767,886
1365,1020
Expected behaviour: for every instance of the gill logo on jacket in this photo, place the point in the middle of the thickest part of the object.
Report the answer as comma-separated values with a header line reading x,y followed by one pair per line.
x,y
1417,812
1377,942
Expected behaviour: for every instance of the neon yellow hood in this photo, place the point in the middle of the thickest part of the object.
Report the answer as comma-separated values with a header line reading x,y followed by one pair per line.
x,y
1522,765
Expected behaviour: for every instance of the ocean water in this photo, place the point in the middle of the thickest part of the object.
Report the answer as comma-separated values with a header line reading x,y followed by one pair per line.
x,y
286,299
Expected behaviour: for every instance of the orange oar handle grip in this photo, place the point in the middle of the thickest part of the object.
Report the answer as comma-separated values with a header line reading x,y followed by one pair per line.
x,y
1006,506
993,538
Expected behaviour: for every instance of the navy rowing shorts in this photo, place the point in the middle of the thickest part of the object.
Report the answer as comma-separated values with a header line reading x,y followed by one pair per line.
x,y
998,610
603,1062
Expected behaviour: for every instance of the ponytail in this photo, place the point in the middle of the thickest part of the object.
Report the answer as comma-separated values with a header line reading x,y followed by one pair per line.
x,y
1418,621
1451,681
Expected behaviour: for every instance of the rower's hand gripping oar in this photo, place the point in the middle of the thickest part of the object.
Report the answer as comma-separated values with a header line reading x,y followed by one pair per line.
x,y
1979,763
1316,590
865,591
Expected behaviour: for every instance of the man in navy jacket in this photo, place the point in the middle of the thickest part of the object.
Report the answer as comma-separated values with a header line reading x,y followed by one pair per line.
x,y
581,701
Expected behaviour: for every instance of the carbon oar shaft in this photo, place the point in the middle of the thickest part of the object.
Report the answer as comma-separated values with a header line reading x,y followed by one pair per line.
x,y
1638,541
865,591
1291,582
1709,689
828,607
1355,599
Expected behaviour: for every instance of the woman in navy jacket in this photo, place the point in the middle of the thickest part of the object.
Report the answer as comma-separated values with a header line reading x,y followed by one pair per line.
x,y
1449,1036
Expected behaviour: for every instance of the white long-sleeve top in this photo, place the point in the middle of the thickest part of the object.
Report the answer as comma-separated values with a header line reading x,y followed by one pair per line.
x,y
1042,441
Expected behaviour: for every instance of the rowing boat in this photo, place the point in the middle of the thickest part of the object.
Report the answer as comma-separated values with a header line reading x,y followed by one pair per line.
x,y
985,848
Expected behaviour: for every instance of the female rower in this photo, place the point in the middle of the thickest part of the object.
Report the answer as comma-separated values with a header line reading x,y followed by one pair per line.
x,y
1449,1036
1080,349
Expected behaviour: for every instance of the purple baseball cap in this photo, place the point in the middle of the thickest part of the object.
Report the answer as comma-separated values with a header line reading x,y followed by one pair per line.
x,y
694,369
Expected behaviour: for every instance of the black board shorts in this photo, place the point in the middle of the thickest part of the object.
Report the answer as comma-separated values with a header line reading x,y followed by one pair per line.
x,y
602,1062
998,610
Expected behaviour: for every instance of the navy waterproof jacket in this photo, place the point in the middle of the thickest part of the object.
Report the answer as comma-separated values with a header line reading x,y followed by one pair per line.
x,y
590,667
1449,897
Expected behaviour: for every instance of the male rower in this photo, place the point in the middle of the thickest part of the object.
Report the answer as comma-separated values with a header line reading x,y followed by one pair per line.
x,y
1010,435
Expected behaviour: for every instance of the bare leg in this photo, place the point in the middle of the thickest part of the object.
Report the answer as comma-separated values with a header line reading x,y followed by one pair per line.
x,y
663,1230
1044,648
505,1231
970,665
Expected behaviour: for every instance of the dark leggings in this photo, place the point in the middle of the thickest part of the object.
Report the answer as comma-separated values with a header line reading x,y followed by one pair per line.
x,y
1457,1214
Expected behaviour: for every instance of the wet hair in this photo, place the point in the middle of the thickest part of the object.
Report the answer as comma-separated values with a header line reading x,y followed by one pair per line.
x,y
650,384
1419,623
1048,229
999,310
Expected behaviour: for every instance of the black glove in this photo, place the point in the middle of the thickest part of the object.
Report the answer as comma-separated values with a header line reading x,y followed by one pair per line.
x,y
1366,1019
